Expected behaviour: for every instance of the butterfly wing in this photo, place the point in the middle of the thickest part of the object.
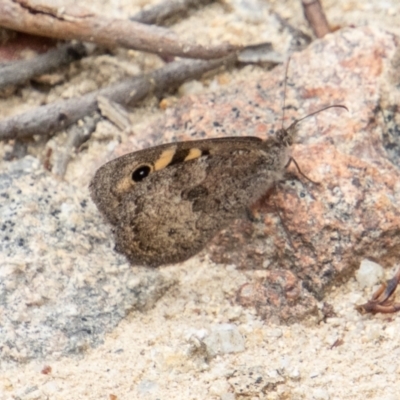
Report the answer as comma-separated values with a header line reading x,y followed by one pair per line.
x,y
190,191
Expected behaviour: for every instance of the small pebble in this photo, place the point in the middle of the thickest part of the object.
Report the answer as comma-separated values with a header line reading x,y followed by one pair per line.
x,y
274,333
369,274
320,394
146,386
192,87
223,339
294,374
219,388
228,396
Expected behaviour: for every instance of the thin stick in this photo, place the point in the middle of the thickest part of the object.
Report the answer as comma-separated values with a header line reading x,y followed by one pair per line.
x,y
300,39
315,16
77,135
53,117
20,71
382,300
80,24
161,12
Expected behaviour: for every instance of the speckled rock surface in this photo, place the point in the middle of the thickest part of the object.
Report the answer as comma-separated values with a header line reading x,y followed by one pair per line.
x,y
62,287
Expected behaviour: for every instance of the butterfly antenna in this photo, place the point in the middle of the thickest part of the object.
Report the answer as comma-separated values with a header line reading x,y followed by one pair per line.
x,y
284,92
317,112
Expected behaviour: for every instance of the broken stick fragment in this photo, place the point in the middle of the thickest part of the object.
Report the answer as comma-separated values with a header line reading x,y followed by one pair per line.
x,y
382,300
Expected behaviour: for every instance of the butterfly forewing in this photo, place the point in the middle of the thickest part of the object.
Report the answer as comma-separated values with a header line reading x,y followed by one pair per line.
x,y
165,203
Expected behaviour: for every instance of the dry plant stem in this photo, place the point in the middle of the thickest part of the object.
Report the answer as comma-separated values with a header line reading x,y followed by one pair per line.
x,y
77,135
114,112
59,115
315,16
300,40
20,71
382,300
79,24
160,12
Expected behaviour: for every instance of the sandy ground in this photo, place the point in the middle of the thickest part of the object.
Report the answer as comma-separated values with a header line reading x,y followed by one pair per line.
x,y
160,353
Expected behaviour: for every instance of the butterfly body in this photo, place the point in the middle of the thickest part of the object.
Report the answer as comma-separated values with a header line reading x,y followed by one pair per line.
x,y
166,202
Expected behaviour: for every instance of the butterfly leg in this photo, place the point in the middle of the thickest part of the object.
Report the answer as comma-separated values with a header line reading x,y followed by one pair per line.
x,y
292,160
251,216
289,237
382,300
255,217
281,220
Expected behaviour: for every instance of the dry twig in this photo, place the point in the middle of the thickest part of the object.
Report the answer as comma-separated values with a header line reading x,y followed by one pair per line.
x,y
79,24
315,16
161,12
77,135
20,71
383,299
299,39
53,117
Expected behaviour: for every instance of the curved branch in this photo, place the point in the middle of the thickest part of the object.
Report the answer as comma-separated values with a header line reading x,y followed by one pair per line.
x,y
82,25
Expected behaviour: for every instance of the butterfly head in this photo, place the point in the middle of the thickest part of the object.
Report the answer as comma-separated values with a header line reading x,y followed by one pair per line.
x,y
288,135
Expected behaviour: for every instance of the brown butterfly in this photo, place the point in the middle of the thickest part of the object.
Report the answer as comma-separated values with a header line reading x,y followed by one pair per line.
x,y
166,202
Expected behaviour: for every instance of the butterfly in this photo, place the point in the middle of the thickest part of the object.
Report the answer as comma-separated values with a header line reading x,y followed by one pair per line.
x,y
165,203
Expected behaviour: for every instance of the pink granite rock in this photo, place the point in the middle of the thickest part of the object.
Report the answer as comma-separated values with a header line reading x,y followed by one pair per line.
x,y
353,212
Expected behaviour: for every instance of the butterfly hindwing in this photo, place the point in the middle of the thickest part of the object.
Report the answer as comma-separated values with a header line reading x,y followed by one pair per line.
x,y
165,203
